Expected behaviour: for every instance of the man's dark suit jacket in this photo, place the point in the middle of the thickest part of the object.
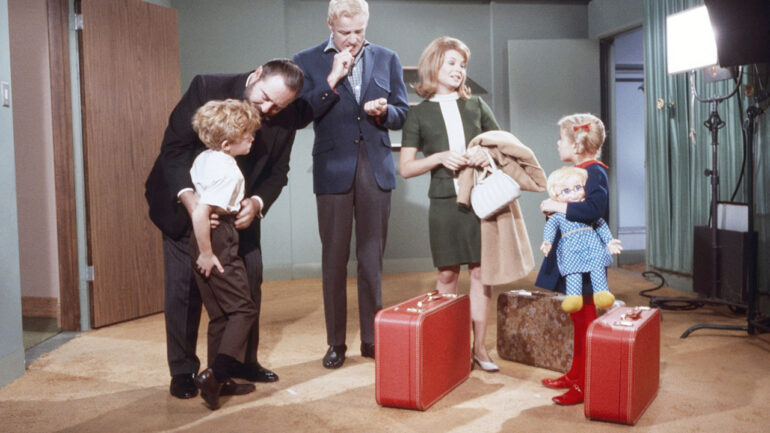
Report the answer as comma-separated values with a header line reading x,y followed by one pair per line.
x,y
265,169
340,122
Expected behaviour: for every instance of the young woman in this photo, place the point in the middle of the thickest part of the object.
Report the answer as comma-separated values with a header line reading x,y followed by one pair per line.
x,y
440,127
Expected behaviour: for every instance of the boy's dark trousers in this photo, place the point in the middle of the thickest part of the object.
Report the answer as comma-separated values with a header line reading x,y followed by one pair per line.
x,y
226,296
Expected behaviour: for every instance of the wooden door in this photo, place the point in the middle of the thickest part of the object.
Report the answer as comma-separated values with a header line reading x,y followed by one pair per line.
x,y
129,62
549,79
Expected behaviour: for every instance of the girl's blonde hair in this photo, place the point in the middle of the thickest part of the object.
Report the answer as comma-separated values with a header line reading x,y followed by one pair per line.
x,y
586,131
430,63
559,176
230,119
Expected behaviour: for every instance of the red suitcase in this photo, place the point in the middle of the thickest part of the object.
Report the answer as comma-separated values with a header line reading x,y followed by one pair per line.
x,y
622,364
422,349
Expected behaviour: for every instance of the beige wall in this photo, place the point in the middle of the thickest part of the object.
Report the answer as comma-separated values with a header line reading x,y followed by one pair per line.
x,y
34,148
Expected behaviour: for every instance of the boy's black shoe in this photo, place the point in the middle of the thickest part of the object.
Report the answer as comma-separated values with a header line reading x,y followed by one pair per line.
x,y
210,388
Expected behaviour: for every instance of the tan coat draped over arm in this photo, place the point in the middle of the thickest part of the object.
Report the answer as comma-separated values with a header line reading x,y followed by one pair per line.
x,y
506,253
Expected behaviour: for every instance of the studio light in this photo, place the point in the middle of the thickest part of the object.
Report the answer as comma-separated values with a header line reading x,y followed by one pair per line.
x,y
723,32
690,42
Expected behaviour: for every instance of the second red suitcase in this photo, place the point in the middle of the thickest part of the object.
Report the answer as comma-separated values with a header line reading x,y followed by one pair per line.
x,y
622,364
422,349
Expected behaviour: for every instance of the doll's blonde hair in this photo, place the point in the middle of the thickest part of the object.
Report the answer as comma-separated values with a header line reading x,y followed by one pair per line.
x,y
560,175
349,8
230,120
432,59
586,131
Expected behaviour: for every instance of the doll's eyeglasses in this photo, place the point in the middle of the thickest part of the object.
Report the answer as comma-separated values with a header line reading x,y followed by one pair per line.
x,y
576,188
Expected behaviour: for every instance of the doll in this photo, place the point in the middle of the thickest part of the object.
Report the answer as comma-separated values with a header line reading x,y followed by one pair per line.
x,y
583,248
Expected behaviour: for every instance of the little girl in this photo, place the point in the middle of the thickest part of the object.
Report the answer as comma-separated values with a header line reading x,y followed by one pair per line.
x,y
581,137
583,248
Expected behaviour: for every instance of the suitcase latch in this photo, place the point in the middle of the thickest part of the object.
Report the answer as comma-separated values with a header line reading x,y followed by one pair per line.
x,y
635,314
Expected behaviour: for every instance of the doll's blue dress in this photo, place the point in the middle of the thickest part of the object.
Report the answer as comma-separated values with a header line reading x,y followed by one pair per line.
x,y
581,249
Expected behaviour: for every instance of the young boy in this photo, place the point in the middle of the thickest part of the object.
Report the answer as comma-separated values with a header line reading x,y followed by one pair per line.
x,y
227,129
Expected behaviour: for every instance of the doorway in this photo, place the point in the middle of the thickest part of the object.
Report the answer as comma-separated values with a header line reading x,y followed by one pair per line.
x,y
629,147
33,151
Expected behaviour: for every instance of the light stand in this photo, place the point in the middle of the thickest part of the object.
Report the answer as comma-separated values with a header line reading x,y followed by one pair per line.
x,y
755,321
714,123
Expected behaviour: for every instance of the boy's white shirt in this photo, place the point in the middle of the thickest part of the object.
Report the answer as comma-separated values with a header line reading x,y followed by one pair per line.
x,y
218,181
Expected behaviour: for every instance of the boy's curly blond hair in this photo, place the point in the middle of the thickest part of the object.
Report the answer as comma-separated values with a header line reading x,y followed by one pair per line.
x,y
228,120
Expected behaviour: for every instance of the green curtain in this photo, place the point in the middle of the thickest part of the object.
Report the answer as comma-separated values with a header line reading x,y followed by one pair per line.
x,y
678,192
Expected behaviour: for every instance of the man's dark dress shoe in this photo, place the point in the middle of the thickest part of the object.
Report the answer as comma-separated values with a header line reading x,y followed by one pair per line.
x,y
335,356
253,372
210,388
183,386
230,387
367,350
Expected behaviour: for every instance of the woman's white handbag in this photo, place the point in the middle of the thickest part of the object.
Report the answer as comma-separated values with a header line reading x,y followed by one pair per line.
x,y
494,192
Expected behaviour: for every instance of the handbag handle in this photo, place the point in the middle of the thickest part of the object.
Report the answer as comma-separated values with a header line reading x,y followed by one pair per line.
x,y
491,161
493,167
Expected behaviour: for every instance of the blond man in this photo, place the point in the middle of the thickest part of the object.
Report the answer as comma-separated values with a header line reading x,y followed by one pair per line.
x,y
356,93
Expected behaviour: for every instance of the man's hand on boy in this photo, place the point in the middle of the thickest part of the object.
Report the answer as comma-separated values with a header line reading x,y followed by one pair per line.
x,y
250,208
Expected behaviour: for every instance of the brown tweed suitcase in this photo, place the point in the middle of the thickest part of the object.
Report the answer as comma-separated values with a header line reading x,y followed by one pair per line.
x,y
533,329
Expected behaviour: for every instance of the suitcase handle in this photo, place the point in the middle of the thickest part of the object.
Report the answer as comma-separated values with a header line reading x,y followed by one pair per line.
x,y
430,296
434,295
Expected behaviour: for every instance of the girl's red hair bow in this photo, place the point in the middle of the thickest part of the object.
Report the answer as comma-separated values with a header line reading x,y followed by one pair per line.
x,y
586,127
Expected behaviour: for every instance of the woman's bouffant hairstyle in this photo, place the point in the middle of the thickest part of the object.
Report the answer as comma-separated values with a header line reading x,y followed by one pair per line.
x,y
231,120
560,175
338,8
431,61
585,130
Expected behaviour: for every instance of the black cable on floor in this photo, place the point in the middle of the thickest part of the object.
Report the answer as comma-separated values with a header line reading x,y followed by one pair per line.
x,y
647,275
668,303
